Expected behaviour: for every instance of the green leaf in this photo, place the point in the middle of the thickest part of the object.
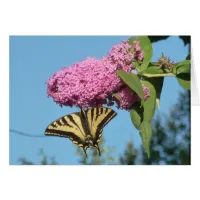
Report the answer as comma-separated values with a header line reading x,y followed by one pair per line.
x,y
185,62
132,81
142,116
136,114
146,46
181,65
153,71
145,133
158,75
150,103
183,69
136,65
158,84
184,80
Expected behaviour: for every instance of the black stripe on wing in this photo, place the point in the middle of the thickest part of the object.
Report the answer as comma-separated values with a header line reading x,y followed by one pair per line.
x,y
99,117
60,133
107,118
67,127
64,121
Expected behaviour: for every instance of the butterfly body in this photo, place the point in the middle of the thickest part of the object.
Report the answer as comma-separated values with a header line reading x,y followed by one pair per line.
x,y
84,128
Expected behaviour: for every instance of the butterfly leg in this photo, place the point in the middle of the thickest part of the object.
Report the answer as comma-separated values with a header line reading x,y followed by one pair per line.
x,y
98,149
85,149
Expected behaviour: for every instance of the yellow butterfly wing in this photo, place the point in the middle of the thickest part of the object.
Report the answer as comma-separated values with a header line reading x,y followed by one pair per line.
x,y
69,126
97,119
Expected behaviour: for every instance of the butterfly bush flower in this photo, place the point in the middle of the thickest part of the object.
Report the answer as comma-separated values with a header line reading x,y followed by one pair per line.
x,y
121,55
92,82
87,83
127,97
136,46
139,53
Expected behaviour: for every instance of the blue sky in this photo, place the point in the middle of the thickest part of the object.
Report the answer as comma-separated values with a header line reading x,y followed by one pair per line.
x,y
33,59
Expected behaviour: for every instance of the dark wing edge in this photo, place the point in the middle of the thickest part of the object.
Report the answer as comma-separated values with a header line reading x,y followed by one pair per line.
x,y
108,113
106,119
60,133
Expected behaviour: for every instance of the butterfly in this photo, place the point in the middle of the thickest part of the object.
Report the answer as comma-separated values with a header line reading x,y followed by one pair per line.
x,y
83,128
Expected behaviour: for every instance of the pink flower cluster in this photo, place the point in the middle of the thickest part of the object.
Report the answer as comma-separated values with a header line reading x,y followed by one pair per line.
x,y
87,83
128,97
91,82
139,53
121,55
